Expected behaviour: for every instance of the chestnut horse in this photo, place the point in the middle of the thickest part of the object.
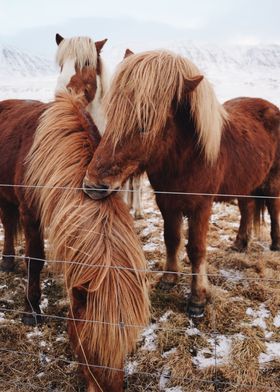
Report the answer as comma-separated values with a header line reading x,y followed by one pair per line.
x,y
104,265
18,118
164,117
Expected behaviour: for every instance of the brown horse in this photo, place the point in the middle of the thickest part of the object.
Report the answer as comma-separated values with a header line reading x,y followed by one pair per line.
x,y
19,119
164,117
104,266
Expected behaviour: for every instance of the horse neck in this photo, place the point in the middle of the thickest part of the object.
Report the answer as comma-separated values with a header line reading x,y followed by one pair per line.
x,y
177,147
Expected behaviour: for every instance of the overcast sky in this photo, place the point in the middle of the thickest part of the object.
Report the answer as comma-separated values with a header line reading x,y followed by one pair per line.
x,y
225,21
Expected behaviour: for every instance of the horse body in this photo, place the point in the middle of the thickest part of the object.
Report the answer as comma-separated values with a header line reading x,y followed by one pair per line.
x,y
94,244
50,146
18,123
19,119
237,153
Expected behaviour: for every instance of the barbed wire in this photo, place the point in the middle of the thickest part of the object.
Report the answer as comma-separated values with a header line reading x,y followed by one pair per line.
x,y
150,191
213,334
141,373
145,270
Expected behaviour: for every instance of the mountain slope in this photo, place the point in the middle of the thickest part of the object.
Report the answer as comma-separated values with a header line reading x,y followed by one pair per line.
x,y
15,62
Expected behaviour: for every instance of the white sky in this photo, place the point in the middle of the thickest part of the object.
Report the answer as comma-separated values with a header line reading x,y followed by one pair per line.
x,y
31,24
248,18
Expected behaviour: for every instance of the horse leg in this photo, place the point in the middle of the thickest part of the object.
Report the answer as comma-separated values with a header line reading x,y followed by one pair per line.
x,y
273,206
35,255
246,207
9,218
196,248
127,194
136,200
172,237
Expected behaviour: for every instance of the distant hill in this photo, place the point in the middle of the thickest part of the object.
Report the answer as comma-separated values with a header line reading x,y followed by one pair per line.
x,y
16,62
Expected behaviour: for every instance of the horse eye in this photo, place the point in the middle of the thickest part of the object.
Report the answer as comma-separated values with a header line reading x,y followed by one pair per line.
x,y
141,130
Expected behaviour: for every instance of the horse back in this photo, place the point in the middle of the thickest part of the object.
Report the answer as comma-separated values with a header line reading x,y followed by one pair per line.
x,y
256,110
18,122
250,144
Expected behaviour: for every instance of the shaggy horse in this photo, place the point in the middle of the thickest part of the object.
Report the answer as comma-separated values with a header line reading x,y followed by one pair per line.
x,y
164,117
104,266
94,244
18,122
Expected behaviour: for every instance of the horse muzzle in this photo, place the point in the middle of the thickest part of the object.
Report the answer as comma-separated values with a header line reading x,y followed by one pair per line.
x,y
96,191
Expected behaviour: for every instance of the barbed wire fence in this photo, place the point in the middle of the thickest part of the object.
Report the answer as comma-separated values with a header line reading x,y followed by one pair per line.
x,y
215,382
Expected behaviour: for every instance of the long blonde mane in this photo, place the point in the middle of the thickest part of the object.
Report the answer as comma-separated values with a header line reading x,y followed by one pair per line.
x,y
95,239
142,93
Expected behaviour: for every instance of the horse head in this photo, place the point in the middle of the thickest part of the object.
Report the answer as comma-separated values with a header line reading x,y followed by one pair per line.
x,y
80,55
146,93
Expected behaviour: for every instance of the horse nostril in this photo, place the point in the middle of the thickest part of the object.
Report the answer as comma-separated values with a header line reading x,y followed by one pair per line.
x,y
101,187
96,191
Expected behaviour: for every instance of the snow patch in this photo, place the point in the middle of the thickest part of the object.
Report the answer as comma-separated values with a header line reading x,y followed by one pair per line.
x,y
149,338
2,317
34,334
131,367
165,316
259,316
44,304
150,247
169,352
276,321
217,354
272,352
232,274
164,378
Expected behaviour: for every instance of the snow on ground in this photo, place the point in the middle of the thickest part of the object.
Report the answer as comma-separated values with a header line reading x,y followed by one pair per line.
x,y
272,352
149,338
217,353
259,316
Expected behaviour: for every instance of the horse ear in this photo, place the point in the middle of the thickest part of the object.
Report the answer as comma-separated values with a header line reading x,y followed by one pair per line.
x,y
128,53
80,294
99,45
191,84
58,38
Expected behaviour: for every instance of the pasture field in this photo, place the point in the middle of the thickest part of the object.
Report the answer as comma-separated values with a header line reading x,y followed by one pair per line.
x,y
236,347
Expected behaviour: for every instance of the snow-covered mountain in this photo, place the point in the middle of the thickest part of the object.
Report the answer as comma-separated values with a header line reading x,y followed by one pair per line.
x,y
233,70
242,57
15,62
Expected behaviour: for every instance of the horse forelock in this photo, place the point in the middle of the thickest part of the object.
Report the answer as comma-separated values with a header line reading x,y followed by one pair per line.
x,y
142,92
80,49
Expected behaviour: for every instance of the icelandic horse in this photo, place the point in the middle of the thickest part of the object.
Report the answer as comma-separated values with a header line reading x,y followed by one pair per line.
x,y
92,243
18,121
163,117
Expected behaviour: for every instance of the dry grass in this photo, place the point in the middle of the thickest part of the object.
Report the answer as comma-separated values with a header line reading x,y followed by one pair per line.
x,y
241,294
